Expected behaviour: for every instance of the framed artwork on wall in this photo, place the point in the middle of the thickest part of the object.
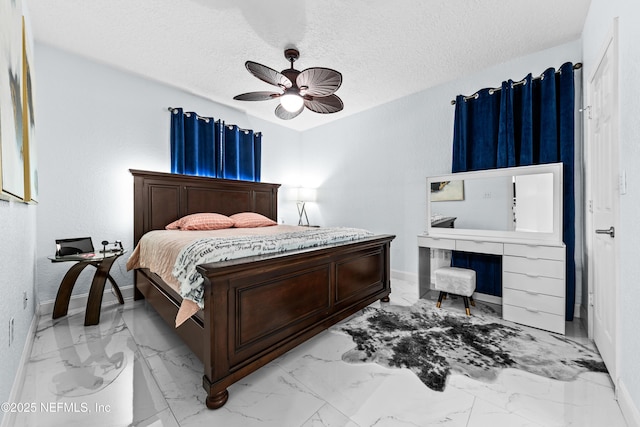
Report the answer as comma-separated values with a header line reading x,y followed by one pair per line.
x,y
11,122
28,118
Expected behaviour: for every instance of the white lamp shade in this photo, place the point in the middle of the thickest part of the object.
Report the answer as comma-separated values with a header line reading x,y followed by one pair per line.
x,y
306,194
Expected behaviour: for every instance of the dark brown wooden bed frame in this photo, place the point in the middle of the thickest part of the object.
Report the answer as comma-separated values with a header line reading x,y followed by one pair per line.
x,y
256,308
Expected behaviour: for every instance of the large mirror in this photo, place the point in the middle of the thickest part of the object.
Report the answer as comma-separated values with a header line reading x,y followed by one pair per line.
x,y
522,203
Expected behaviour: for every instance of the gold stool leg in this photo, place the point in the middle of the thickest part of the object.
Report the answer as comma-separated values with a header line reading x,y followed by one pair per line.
x,y
466,305
440,298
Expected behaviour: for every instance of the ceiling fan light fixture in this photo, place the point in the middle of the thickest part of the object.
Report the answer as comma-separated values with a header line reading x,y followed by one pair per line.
x,y
313,88
291,102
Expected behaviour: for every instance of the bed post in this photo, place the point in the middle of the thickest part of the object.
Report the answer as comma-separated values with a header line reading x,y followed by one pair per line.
x,y
215,326
387,270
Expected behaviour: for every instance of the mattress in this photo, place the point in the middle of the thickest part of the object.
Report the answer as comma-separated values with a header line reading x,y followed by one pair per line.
x,y
174,254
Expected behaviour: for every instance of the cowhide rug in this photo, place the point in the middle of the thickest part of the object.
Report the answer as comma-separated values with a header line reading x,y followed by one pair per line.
x,y
434,342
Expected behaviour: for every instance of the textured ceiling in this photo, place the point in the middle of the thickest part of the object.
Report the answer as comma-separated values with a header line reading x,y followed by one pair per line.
x,y
384,49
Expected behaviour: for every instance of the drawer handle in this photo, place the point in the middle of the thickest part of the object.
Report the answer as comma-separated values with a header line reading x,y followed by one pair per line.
x,y
532,258
531,310
531,292
534,276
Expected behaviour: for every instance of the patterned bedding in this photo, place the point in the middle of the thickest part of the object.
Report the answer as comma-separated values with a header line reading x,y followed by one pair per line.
x,y
174,255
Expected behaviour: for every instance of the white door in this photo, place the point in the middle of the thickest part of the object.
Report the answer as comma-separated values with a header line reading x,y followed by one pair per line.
x,y
604,193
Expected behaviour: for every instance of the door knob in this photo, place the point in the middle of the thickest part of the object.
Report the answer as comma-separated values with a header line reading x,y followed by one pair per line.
x,y
611,232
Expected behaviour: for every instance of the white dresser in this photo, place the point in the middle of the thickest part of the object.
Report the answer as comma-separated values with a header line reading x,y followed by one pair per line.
x,y
533,276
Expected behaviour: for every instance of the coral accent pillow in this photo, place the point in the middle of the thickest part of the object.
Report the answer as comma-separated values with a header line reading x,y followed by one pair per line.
x,y
201,221
251,220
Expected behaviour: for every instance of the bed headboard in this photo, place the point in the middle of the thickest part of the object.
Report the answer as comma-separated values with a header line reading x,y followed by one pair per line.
x,y
161,198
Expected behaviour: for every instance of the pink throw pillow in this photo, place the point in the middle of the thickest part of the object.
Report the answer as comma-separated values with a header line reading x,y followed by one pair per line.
x,y
201,221
251,220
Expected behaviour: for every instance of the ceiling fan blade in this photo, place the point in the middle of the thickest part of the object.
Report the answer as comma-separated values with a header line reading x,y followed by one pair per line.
x,y
268,75
287,115
257,96
318,81
325,104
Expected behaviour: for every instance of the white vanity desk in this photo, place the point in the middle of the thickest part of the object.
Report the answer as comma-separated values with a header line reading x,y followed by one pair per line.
x,y
533,277
533,262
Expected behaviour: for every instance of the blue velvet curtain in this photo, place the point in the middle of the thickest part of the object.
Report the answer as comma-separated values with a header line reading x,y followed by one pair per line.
x,y
524,123
241,154
205,147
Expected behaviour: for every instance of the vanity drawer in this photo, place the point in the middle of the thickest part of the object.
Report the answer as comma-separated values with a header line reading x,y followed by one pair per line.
x,y
535,251
533,301
480,247
436,242
539,285
541,320
533,267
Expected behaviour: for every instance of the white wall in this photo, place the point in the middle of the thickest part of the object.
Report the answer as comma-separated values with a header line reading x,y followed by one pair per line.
x,y
599,22
94,124
371,168
17,275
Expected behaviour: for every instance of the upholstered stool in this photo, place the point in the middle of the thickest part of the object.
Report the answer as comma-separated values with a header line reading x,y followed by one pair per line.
x,y
458,281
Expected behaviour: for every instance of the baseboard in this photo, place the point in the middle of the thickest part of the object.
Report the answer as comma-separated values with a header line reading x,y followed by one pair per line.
x,y
80,301
403,275
18,381
627,406
487,298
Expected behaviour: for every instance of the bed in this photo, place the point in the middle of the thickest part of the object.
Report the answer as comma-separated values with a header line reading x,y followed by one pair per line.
x,y
259,307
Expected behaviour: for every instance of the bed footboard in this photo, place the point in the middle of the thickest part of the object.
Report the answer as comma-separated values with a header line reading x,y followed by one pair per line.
x,y
256,312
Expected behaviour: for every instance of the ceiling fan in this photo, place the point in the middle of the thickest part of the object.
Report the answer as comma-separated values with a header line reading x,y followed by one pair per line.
x,y
312,88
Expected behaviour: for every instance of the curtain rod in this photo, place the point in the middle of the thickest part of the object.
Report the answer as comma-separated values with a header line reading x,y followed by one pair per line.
x,y
206,119
576,66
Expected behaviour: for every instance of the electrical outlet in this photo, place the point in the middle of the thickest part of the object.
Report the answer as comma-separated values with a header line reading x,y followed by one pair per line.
x,y
24,300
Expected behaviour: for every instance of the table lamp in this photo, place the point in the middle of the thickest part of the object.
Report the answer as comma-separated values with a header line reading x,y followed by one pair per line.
x,y
304,195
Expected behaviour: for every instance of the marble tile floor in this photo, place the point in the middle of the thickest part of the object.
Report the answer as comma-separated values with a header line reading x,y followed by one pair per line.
x,y
132,370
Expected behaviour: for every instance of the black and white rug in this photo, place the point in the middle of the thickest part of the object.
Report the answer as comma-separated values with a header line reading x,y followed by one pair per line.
x,y
434,342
